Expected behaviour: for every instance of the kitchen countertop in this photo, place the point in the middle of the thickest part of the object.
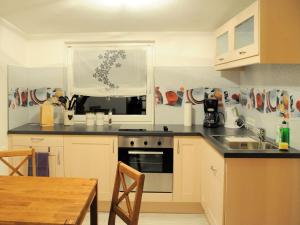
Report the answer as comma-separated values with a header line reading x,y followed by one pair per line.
x,y
152,130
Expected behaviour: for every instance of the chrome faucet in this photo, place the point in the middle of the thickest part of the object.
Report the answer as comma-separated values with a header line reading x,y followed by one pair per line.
x,y
259,132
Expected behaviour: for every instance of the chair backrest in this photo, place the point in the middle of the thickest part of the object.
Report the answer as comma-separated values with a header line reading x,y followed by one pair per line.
x,y
130,217
26,153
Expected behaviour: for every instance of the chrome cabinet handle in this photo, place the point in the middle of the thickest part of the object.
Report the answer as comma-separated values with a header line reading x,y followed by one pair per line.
x,y
178,149
242,52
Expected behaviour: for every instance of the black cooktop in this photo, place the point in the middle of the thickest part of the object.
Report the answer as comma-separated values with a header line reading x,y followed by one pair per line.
x,y
137,130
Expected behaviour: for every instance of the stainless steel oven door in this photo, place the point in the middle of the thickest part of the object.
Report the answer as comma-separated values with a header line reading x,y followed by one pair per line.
x,y
158,182
156,164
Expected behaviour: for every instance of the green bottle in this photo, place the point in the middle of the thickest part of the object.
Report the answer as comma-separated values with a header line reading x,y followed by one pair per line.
x,y
285,132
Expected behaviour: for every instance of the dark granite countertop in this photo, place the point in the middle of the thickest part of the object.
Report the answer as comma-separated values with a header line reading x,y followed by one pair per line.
x,y
152,130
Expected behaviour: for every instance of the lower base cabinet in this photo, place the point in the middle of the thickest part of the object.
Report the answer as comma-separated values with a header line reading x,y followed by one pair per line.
x,y
212,183
92,157
232,191
262,191
187,167
53,145
249,191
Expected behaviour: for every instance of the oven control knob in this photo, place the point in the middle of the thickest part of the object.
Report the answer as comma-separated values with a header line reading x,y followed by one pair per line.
x,y
132,143
145,142
159,143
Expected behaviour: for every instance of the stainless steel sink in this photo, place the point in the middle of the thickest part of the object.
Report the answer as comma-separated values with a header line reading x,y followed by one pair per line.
x,y
246,143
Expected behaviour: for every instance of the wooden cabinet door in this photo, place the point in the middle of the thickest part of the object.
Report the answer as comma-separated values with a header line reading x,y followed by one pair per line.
x,y
224,44
187,167
92,157
56,167
212,182
246,33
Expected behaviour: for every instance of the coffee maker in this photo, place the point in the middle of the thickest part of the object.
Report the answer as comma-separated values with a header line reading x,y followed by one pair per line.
x,y
212,117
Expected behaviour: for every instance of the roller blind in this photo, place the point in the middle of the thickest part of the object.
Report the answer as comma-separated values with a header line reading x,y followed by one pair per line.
x,y
107,71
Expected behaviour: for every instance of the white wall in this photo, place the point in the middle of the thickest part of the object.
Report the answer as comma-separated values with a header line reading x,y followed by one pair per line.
x,y
285,77
172,49
13,51
184,53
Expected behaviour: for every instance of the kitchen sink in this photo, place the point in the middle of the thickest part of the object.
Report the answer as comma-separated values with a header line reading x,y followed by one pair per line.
x,y
246,143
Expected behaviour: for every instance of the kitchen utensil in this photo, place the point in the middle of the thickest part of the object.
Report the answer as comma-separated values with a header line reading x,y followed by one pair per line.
x,y
46,115
69,117
232,117
72,102
63,101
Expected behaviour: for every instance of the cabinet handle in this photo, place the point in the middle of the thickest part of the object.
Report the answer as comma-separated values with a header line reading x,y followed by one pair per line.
x,y
58,157
242,52
213,169
36,139
178,149
113,146
221,59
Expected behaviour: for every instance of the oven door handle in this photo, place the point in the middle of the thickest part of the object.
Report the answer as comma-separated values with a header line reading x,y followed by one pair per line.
x,y
144,153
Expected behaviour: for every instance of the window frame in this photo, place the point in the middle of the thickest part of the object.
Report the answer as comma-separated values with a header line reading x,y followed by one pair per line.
x,y
148,118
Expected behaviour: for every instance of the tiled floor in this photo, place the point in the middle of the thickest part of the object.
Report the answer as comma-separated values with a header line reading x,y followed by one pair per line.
x,y
159,219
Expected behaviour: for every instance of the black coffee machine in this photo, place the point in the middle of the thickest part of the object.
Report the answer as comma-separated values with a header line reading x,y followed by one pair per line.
x,y
212,117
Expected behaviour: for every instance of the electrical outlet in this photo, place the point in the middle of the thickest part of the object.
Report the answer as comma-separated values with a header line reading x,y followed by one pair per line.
x,y
250,121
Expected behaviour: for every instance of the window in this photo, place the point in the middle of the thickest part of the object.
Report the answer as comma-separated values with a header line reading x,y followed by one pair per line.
x,y
113,76
117,105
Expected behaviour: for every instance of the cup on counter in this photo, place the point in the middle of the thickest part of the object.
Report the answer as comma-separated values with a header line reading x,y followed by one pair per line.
x,y
90,119
99,119
69,117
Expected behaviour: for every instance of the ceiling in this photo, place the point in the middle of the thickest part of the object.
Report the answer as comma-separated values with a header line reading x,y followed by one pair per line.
x,y
80,16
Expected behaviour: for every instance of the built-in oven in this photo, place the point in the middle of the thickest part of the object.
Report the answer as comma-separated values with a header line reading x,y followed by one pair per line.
x,y
151,155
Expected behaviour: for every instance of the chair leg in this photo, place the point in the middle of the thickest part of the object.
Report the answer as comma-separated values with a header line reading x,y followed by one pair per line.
x,y
112,218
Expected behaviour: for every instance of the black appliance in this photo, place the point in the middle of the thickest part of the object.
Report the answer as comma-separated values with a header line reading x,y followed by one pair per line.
x,y
212,116
151,155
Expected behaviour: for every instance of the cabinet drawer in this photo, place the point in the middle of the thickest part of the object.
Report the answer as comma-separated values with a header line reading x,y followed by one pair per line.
x,y
90,140
37,140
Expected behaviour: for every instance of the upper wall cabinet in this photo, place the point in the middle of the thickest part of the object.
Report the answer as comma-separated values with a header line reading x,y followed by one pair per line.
x,y
267,32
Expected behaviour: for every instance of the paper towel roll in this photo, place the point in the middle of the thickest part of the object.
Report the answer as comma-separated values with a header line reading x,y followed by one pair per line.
x,y
188,114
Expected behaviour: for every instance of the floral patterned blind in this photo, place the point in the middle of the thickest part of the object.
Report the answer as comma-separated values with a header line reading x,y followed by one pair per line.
x,y
99,71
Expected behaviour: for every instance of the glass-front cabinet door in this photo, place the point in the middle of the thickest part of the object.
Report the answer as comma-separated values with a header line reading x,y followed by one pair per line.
x,y
222,47
246,33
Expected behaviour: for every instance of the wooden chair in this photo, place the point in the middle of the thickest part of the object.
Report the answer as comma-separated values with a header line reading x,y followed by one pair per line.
x,y
26,153
130,217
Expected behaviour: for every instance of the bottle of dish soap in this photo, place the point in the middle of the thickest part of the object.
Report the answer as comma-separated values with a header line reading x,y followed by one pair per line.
x,y
284,135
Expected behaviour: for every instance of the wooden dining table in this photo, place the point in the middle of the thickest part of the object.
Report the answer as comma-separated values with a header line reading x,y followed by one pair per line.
x,y
47,200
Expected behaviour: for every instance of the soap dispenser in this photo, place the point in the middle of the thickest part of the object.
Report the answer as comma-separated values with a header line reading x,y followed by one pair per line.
x,y
284,141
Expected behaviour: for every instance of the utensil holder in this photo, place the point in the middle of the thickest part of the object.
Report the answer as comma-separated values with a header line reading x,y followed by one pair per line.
x,y
68,117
